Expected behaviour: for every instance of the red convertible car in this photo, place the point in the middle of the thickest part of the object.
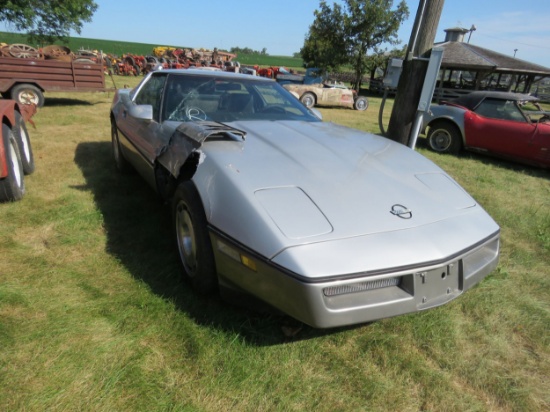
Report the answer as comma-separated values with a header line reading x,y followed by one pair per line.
x,y
508,125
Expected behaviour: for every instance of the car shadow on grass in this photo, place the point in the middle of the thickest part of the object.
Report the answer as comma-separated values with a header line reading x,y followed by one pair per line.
x,y
64,101
138,230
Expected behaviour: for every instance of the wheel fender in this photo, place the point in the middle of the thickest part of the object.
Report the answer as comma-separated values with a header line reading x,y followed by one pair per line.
x,y
7,111
448,120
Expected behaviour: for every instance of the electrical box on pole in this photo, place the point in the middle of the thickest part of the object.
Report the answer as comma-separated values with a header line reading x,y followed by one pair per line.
x,y
391,78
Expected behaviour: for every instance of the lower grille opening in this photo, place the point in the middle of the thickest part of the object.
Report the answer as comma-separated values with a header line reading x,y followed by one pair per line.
x,y
361,287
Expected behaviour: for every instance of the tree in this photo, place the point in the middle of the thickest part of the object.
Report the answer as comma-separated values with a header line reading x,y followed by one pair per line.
x,y
47,20
248,51
371,23
325,44
341,36
379,60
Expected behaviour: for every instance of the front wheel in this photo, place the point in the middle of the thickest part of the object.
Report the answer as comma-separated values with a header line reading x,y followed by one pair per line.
x,y
361,103
308,100
444,137
192,239
12,187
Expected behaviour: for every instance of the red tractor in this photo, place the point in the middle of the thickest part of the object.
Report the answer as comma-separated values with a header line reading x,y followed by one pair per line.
x,y
130,65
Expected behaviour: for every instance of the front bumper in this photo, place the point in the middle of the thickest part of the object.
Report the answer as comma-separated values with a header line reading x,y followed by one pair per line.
x,y
359,298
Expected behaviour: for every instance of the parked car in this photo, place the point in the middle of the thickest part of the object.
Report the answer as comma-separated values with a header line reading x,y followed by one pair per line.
x,y
16,157
508,125
330,225
328,93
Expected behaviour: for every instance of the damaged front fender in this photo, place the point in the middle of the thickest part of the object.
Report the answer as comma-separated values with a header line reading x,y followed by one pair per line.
x,y
187,140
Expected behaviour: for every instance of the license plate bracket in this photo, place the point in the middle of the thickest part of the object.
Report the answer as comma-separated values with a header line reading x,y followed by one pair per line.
x,y
437,286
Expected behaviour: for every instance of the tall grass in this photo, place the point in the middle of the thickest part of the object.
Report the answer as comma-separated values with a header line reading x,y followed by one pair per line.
x,y
95,316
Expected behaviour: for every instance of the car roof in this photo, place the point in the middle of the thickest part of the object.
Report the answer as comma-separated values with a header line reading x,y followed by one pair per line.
x,y
216,74
473,99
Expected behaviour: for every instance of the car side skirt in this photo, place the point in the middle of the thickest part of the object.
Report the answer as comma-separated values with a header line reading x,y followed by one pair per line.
x,y
349,300
137,159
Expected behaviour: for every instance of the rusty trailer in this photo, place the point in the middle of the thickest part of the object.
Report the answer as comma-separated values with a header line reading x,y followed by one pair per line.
x,y
26,80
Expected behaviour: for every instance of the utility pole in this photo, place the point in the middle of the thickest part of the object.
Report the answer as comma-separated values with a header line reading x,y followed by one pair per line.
x,y
414,70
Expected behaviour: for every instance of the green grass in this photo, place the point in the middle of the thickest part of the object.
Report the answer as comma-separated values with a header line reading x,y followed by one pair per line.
x,y
95,316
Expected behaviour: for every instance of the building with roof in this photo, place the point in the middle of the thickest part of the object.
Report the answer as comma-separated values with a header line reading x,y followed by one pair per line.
x,y
466,67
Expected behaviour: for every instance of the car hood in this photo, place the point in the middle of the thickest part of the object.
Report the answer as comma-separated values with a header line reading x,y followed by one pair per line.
x,y
292,183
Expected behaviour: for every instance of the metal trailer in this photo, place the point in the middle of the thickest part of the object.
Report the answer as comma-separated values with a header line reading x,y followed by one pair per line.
x,y
26,80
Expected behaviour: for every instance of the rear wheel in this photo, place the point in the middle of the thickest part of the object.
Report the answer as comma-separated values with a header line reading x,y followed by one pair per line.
x,y
192,239
361,103
12,187
24,144
444,137
308,100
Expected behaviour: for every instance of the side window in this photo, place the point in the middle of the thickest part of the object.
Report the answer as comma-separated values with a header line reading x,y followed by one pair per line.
x,y
151,93
500,109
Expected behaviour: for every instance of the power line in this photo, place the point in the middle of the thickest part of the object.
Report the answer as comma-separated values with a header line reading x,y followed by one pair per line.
x,y
513,41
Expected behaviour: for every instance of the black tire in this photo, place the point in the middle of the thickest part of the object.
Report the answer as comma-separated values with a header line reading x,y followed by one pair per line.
x,y
361,103
137,70
24,144
192,239
444,137
12,187
27,94
308,100
129,61
120,161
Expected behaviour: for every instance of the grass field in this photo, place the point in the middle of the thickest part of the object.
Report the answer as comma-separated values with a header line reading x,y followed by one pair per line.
x,y
95,316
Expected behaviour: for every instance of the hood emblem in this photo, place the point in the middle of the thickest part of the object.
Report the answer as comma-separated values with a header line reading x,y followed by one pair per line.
x,y
401,211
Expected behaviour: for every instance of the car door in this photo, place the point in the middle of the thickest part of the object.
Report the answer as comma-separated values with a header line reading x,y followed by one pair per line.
x,y
498,126
142,137
334,96
142,133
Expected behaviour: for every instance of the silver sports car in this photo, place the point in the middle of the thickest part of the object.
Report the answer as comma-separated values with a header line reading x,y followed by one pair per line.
x,y
330,225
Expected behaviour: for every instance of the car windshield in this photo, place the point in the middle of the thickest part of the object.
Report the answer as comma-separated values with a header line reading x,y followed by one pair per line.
x,y
226,99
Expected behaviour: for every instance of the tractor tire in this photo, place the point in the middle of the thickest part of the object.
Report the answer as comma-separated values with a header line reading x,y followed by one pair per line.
x,y
24,144
12,187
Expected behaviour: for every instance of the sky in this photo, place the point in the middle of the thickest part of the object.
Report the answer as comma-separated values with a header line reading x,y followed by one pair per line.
x,y
505,26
